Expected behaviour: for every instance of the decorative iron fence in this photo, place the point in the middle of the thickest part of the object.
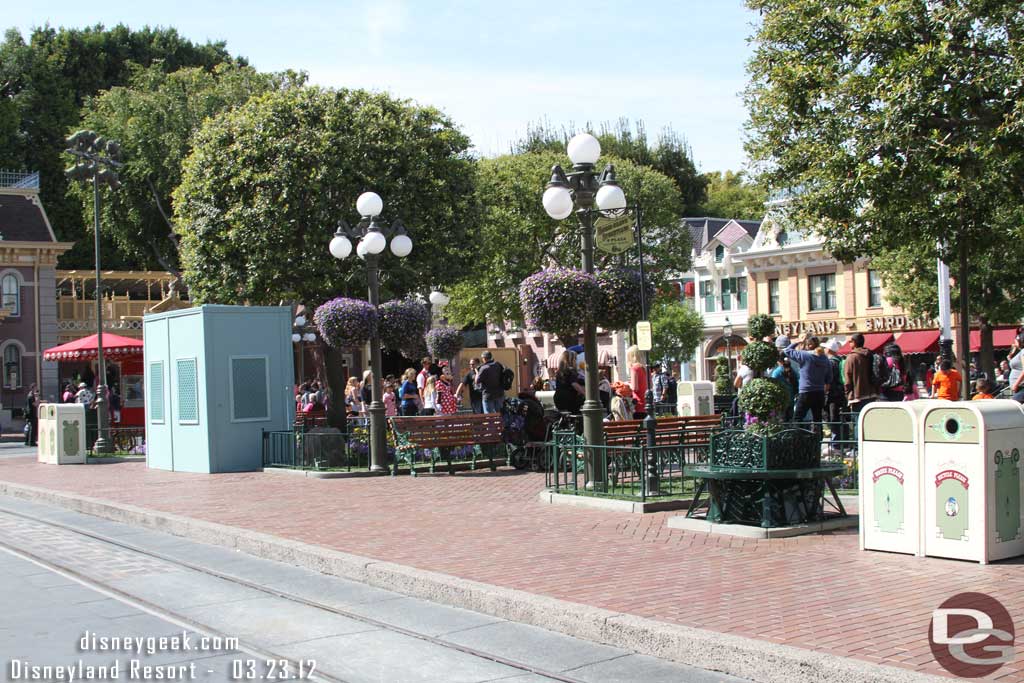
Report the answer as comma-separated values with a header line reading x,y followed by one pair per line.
x,y
123,440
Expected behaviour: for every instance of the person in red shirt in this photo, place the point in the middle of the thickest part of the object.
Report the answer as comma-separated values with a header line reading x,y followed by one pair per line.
x,y
984,390
638,380
946,384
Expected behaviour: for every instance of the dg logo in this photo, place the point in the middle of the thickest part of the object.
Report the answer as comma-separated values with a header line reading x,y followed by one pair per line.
x,y
971,635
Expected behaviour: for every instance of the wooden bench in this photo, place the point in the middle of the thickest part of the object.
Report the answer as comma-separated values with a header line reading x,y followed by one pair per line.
x,y
316,418
443,433
686,430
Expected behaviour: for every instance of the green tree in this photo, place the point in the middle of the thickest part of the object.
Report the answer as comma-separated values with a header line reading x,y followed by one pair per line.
x,y
515,237
267,182
670,154
732,195
676,330
723,377
893,122
154,118
44,83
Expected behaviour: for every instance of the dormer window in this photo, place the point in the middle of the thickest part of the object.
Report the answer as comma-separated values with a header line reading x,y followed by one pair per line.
x,y
719,253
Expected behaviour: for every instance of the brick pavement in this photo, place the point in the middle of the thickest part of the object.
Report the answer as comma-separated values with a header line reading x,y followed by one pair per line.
x,y
815,592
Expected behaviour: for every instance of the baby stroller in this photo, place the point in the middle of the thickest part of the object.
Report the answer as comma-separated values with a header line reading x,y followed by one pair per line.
x,y
524,432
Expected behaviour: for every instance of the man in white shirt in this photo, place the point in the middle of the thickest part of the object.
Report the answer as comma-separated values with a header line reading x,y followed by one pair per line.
x,y
421,378
743,375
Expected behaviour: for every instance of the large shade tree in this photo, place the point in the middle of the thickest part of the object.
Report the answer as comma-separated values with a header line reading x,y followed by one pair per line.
x,y
154,118
893,122
44,82
515,237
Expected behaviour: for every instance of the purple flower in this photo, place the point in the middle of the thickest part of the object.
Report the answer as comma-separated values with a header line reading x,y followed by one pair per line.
x,y
444,342
620,307
402,322
559,300
344,322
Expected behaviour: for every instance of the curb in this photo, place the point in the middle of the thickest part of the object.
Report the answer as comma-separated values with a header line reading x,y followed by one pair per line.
x,y
735,655
611,504
741,531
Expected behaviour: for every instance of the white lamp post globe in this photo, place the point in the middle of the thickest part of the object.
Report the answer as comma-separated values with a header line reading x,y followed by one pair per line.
x,y
439,298
401,246
610,197
361,249
375,242
296,338
340,247
369,204
300,321
584,149
309,336
557,202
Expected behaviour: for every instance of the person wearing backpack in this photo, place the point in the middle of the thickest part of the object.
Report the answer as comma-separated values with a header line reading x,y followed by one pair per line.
x,y
859,375
894,384
491,382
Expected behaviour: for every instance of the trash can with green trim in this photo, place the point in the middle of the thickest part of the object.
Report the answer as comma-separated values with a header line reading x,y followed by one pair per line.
x,y
695,398
972,481
61,433
889,472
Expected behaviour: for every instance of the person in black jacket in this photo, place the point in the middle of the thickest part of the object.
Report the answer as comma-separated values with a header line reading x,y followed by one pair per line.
x,y
31,417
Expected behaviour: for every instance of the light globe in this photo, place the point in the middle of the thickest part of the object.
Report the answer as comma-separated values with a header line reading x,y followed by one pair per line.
x,y
584,149
401,246
300,321
361,249
296,338
375,242
309,336
340,247
610,197
369,204
439,298
557,202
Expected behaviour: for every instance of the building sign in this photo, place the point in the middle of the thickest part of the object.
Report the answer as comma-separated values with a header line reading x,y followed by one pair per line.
x,y
614,235
889,323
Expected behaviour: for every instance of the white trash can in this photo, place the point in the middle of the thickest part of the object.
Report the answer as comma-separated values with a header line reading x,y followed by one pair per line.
x,y
971,479
696,398
61,433
889,474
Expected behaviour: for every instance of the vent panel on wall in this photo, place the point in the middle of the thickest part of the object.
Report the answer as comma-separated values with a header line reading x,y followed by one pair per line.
x,y
250,390
188,391
156,391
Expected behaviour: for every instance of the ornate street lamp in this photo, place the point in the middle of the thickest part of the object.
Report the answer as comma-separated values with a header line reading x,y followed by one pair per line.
x,y
438,300
373,235
302,334
581,191
97,160
727,333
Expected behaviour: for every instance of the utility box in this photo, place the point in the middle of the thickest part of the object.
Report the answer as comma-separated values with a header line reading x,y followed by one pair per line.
x,y
696,398
971,479
889,454
215,378
61,435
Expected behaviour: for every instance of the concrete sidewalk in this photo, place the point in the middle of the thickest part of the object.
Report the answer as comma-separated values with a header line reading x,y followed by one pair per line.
x,y
722,602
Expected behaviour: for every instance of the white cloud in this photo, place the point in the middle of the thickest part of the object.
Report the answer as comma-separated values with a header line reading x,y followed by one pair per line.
x,y
385,20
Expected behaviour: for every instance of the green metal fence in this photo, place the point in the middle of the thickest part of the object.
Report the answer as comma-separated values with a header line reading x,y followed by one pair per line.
x,y
333,451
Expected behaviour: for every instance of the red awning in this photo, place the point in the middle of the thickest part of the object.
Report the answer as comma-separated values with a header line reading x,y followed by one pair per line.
x,y
114,346
872,342
1002,338
919,341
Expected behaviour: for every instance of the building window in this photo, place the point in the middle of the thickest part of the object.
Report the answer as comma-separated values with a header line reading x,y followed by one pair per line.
x,y
707,292
719,253
773,296
12,366
727,286
741,293
874,288
11,293
823,292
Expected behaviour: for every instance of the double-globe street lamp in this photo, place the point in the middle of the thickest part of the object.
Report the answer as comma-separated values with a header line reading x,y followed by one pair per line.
x,y
583,190
97,160
373,235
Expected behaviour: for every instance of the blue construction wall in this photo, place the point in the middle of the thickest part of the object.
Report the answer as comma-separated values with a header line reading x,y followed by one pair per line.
x,y
228,375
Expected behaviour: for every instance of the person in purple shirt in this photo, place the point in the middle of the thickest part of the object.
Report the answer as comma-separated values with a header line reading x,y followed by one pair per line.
x,y
815,375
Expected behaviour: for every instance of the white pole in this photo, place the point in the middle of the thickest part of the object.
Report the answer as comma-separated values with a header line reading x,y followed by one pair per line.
x,y
944,320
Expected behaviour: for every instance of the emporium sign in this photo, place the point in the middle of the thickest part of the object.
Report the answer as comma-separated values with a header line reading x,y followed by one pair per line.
x,y
888,323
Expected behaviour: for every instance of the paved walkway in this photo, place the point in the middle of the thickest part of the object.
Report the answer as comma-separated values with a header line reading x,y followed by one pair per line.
x,y
814,592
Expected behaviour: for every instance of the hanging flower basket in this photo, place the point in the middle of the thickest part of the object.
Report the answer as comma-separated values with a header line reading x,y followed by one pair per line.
x,y
444,342
344,322
559,299
620,307
402,322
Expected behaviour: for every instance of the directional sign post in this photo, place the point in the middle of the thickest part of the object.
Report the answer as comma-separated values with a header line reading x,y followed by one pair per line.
x,y
644,336
614,234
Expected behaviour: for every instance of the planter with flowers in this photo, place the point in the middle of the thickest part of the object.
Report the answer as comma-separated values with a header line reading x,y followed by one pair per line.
x,y
444,342
559,300
402,324
345,323
619,304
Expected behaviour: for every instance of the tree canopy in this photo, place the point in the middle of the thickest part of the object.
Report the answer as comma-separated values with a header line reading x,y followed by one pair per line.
x,y
44,83
677,329
154,118
267,182
515,237
732,195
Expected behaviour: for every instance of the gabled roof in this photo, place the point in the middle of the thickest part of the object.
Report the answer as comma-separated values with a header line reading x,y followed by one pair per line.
x,y
705,229
22,218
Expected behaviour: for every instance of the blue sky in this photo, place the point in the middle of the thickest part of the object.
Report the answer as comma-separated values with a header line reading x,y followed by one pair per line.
x,y
493,67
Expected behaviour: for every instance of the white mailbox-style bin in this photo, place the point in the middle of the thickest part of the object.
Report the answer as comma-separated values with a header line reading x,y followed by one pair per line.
x,y
696,398
889,454
61,436
971,480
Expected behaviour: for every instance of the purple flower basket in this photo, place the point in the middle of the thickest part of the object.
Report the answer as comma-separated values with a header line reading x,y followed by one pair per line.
x,y
620,307
401,322
444,342
344,322
559,300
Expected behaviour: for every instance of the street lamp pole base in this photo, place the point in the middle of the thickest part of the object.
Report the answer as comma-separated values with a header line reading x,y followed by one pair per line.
x,y
378,440
102,444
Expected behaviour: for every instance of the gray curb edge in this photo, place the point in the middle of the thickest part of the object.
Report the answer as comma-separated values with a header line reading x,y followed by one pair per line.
x,y
735,655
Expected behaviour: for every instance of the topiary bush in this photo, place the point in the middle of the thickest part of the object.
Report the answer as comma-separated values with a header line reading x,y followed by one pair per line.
x,y
345,322
761,326
559,299
763,398
619,304
759,356
723,377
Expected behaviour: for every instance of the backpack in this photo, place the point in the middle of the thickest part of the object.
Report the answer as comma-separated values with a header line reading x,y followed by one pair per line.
x,y
507,378
879,370
893,376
